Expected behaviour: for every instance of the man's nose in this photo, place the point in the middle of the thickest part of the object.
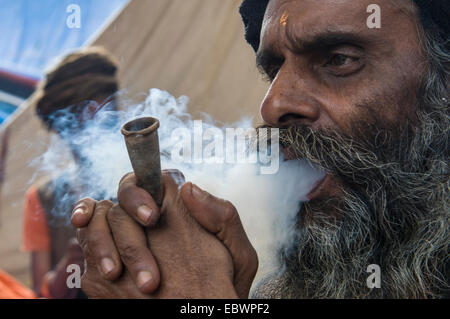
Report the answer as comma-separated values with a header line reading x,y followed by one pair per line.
x,y
289,101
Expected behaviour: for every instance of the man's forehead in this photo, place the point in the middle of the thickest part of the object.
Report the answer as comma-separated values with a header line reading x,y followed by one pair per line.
x,y
326,6
309,14
305,18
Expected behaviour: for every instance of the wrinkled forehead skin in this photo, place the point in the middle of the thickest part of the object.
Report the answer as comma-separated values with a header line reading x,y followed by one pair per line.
x,y
301,18
434,17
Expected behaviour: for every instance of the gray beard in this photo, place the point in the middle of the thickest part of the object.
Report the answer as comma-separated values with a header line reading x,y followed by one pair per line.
x,y
393,213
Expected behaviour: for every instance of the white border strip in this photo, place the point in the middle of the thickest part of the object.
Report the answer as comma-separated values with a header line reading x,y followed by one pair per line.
x,y
11,99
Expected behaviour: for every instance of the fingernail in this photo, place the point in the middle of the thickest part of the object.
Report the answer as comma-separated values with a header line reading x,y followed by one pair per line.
x,y
143,278
107,265
144,213
197,193
80,210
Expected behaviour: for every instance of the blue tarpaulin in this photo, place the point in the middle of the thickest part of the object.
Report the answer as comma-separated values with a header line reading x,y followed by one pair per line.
x,y
33,32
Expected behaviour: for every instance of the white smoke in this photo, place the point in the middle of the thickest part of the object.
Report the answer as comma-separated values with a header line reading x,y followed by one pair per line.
x,y
267,204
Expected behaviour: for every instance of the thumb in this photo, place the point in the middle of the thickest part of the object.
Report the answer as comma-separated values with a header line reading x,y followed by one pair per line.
x,y
221,218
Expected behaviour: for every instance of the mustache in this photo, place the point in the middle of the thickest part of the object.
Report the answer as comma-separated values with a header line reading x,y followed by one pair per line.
x,y
333,151
381,167
391,155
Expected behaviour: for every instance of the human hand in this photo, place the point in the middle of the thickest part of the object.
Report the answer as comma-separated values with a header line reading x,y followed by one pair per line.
x,y
199,244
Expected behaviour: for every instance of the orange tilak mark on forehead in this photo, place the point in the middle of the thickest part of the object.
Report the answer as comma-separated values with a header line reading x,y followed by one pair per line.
x,y
284,19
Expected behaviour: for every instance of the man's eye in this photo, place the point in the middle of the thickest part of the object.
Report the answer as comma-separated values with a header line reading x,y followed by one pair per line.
x,y
340,60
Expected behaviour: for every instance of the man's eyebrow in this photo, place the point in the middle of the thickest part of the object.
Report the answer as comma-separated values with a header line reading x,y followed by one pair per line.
x,y
323,40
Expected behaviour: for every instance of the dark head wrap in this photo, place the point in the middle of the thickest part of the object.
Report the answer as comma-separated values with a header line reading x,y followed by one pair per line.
x,y
81,76
434,14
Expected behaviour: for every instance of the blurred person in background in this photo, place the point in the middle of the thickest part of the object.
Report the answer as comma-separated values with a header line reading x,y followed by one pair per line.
x,y
72,93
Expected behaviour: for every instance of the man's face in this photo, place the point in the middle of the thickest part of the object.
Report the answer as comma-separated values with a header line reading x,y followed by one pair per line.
x,y
329,70
361,104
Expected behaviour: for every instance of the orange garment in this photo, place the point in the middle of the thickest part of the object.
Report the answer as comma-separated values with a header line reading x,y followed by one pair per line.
x,y
12,289
35,236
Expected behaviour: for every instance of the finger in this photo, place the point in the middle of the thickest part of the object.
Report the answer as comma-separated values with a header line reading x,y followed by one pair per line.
x,y
98,244
173,177
172,180
137,202
221,218
131,243
82,212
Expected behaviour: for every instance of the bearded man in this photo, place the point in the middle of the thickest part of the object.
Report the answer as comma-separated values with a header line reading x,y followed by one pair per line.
x,y
367,105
